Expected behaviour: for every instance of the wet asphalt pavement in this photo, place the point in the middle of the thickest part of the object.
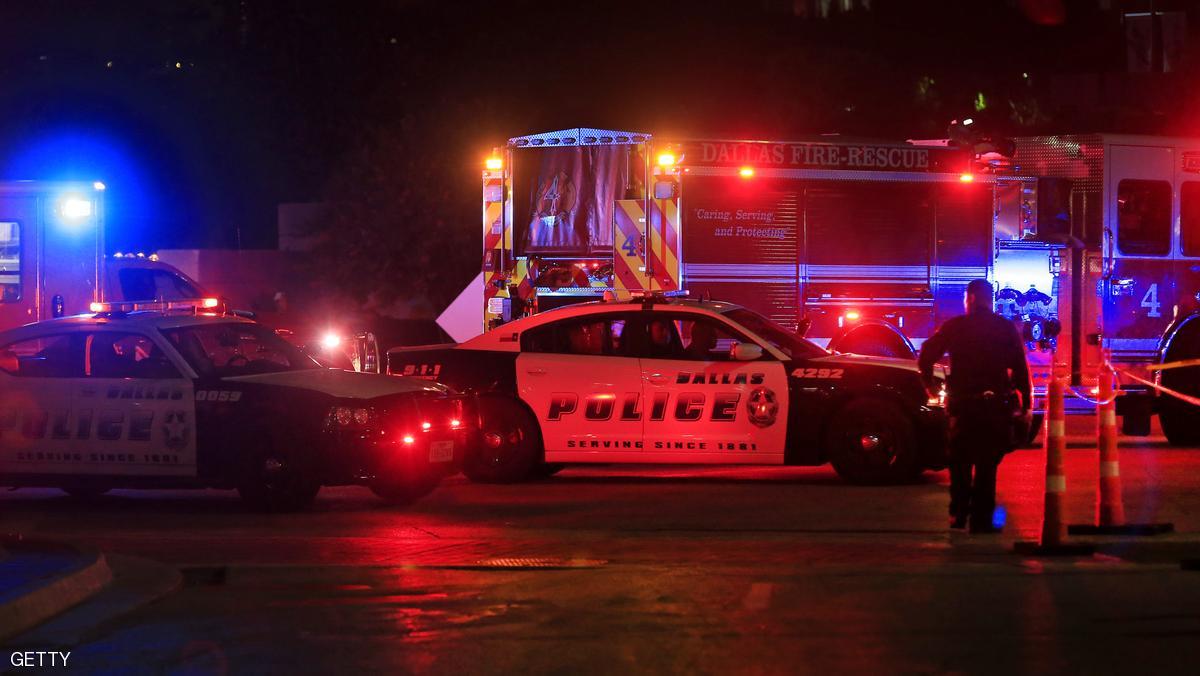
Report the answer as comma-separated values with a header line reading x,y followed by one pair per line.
x,y
648,570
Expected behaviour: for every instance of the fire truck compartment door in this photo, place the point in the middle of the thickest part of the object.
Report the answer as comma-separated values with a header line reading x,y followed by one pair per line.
x,y
70,260
1139,294
18,260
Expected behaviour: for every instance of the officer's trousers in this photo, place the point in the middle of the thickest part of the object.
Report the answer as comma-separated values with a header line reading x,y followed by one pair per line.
x,y
981,433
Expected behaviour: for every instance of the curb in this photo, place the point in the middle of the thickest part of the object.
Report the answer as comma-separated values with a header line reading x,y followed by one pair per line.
x,y
44,600
136,583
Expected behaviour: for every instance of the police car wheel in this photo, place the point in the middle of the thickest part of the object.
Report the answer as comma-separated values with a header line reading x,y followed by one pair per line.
x,y
871,441
510,444
273,484
85,491
405,491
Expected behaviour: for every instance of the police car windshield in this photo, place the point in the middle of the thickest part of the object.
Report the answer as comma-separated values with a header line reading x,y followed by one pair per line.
x,y
237,349
787,341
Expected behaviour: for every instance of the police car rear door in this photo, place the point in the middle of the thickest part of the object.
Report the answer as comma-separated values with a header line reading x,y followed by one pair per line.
x,y
702,404
143,406
94,403
584,387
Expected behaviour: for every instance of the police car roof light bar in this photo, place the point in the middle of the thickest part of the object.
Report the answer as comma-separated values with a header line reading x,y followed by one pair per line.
x,y
652,297
192,305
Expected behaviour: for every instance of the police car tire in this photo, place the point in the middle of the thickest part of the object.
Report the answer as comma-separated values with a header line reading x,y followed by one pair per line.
x,y
895,460
406,491
290,490
85,491
520,452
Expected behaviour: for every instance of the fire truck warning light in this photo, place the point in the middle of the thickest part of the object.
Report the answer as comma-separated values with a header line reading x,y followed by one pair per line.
x,y
746,172
494,164
666,160
75,208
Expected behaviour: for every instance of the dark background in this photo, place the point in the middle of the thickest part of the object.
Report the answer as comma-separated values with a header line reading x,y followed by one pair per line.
x,y
203,115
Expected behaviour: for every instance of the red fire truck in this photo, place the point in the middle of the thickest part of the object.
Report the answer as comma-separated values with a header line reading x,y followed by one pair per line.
x,y
1092,241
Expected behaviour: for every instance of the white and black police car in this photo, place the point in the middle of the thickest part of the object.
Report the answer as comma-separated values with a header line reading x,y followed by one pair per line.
x,y
663,380
159,395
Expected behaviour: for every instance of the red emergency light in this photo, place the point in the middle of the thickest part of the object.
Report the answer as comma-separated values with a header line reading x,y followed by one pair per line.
x,y
746,172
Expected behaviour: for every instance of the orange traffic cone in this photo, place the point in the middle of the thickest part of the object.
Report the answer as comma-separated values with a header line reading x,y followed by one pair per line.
x,y
1054,529
1110,509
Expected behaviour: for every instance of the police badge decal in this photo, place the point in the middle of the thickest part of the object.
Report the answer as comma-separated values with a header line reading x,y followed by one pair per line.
x,y
762,406
175,430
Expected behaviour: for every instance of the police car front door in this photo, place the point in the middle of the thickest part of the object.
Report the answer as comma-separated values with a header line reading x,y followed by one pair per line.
x,y
584,388
702,405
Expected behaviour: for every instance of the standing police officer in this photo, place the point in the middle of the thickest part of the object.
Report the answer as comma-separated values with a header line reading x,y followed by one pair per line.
x,y
987,387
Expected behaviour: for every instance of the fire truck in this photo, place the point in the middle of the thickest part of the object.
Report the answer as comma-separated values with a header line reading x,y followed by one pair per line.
x,y
1092,242
51,249
52,260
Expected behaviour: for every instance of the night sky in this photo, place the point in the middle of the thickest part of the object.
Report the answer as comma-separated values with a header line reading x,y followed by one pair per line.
x,y
202,115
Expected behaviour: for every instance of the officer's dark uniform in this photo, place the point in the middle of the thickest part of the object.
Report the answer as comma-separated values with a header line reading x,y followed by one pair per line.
x,y
987,370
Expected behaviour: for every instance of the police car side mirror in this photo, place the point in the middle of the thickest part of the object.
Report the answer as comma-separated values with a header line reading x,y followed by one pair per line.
x,y
745,352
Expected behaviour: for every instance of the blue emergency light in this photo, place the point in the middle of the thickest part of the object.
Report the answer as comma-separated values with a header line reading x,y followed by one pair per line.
x,y
74,208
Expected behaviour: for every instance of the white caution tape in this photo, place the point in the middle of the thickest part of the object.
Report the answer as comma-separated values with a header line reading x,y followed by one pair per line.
x,y
1165,390
1110,469
1056,483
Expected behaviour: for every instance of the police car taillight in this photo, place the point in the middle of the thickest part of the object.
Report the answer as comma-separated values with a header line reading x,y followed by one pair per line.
x,y
350,417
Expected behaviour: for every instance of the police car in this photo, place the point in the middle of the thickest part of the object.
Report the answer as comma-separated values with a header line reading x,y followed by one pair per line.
x,y
173,395
665,380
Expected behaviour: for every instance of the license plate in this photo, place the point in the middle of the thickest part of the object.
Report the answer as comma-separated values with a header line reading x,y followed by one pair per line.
x,y
441,451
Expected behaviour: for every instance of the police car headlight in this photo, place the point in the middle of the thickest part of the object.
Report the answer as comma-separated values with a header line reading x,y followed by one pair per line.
x,y
362,416
343,416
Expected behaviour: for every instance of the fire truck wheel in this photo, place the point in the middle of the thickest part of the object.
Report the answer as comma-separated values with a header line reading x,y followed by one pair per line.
x,y
85,491
1180,420
400,492
510,446
271,482
871,441
1035,428
875,340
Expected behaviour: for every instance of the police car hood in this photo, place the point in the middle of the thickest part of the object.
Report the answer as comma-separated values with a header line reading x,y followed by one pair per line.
x,y
342,384
848,359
